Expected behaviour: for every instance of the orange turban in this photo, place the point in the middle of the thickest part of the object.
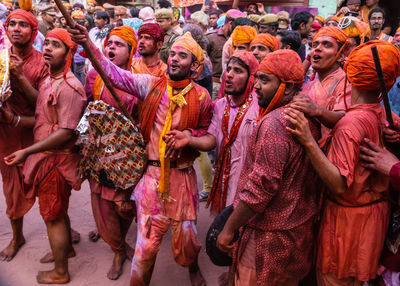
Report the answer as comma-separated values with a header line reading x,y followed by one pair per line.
x,y
287,66
337,34
187,42
63,36
398,29
267,40
243,35
360,66
27,17
127,34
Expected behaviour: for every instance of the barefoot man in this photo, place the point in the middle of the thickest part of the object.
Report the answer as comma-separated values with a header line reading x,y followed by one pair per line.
x,y
275,202
51,163
356,214
112,208
27,75
167,194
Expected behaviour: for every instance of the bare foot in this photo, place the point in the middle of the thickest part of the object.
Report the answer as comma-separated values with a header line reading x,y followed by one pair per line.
x,y
76,236
52,277
8,253
196,278
116,268
94,235
129,251
48,258
223,279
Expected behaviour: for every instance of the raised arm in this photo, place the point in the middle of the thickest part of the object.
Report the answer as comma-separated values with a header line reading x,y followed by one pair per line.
x,y
136,84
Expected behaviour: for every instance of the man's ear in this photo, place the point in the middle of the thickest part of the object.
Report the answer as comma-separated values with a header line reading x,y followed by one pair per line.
x,y
289,88
194,66
302,26
159,45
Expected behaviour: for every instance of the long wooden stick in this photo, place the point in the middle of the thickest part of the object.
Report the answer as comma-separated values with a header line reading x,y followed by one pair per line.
x,y
381,78
95,62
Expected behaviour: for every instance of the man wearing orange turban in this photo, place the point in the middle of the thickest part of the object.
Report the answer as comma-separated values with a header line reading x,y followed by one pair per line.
x,y
113,211
325,96
356,215
51,162
264,44
275,203
242,37
167,194
27,73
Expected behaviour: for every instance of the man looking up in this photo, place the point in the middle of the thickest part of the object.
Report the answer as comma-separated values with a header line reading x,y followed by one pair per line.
x,y
263,44
302,23
356,213
276,200
164,19
326,99
151,38
376,19
51,163
167,194
234,119
26,77
113,211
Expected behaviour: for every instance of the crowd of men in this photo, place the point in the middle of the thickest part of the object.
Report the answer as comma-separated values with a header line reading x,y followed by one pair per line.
x,y
282,114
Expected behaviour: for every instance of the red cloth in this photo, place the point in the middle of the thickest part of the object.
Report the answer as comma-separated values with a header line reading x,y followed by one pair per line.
x,y
53,193
26,16
395,177
267,40
360,65
18,138
354,223
153,30
278,183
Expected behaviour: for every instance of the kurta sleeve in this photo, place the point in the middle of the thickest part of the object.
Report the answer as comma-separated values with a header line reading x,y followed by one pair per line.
x,y
395,177
270,156
205,114
215,121
136,84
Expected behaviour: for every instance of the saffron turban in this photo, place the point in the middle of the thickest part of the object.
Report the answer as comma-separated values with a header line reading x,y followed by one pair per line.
x,y
78,15
243,35
63,36
153,30
27,17
127,34
360,65
286,65
187,42
398,29
337,34
267,40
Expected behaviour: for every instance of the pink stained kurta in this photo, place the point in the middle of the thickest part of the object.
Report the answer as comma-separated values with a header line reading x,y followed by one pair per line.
x,y
183,182
16,138
239,147
60,105
329,93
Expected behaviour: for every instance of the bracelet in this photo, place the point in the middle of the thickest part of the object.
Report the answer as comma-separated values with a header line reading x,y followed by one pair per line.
x,y
18,120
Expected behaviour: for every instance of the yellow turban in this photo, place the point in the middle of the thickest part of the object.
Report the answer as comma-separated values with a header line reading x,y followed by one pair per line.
x,y
127,34
243,35
187,42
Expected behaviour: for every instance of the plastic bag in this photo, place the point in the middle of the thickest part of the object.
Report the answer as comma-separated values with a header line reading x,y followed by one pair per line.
x,y
5,87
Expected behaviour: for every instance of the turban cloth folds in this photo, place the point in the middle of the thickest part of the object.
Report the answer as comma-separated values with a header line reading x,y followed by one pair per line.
x,y
243,35
267,40
360,65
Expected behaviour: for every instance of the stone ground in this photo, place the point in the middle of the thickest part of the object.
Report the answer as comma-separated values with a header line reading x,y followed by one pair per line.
x,y
93,260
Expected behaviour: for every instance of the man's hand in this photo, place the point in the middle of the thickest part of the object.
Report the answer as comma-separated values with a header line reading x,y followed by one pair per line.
x,y
79,35
376,158
225,241
16,66
391,135
343,11
301,129
260,7
6,115
176,140
16,158
304,104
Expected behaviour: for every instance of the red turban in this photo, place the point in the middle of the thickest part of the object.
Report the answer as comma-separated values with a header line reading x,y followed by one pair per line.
x,y
287,66
267,40
63,36
243,35
360,66
153,30
27,17
127,34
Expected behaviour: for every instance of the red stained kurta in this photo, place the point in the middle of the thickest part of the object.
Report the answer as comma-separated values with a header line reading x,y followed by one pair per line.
x,y
16,138
59,105
354,223
278,183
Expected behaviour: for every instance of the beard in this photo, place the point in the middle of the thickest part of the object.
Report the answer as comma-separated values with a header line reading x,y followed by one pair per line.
x,y
147,53
180,75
